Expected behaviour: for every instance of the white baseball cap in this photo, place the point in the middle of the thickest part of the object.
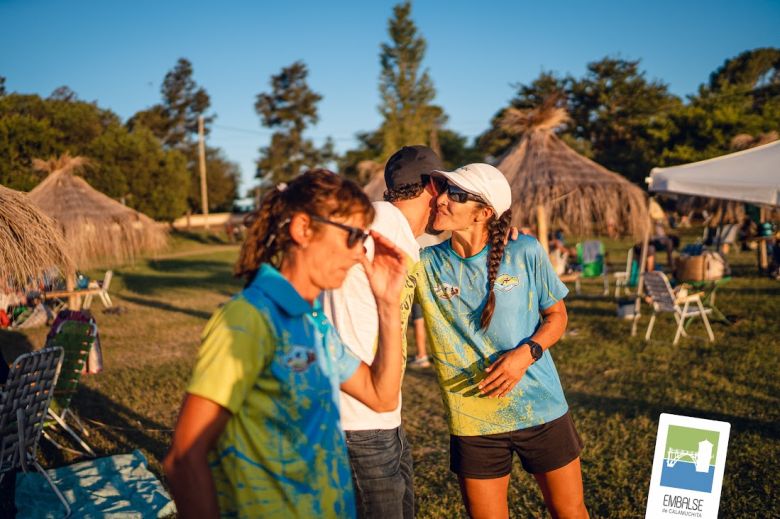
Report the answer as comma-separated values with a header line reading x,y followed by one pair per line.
x,y
482,180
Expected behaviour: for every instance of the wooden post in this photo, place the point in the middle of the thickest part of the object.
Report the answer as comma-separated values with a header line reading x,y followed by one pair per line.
x,y
204,196
70,286
541,225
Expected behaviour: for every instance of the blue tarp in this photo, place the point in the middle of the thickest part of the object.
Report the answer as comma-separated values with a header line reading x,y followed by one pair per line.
x,y
114,486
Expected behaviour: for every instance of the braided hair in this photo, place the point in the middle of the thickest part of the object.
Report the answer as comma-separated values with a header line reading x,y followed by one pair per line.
x,y
497,229
318,192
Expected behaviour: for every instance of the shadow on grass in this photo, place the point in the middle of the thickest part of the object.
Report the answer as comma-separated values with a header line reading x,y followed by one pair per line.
x,y
181,274
160,305
13,344
201,237
119,426
632,408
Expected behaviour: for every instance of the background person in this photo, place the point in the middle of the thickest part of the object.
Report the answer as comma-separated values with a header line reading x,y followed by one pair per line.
x,y
259,434
493,311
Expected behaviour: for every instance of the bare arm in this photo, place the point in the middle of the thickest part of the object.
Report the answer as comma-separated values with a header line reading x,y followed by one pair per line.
x,y
508,369
378,385
200,423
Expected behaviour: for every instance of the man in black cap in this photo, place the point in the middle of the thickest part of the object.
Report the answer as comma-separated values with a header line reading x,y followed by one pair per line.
x,y
379,452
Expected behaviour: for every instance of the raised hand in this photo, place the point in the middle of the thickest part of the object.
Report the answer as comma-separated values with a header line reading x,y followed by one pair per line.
x,y
387,272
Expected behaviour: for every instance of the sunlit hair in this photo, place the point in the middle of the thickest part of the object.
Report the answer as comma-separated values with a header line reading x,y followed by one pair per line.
x,y
497,235
317,192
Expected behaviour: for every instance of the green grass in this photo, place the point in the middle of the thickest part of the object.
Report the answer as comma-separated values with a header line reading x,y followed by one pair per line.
x,y
616,385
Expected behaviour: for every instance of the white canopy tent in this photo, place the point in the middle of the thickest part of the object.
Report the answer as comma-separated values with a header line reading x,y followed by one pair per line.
x,y
746,176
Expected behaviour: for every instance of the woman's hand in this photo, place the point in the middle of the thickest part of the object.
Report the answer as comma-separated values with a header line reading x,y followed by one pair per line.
x,y
387,272
506,372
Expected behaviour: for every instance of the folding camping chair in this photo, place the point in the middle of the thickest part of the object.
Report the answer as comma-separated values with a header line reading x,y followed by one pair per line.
x,y
24,402
76,338
591,256
664,299
623,277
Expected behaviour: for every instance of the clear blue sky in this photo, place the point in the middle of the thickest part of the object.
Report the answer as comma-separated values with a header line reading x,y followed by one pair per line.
x,y
117,53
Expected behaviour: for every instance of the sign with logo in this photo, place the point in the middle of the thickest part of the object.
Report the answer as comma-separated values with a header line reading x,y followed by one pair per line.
x,y
690,456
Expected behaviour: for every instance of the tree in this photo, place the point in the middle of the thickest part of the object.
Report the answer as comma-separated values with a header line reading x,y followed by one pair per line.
x,y
175,120
618,117
2,86
130,166
742,98
406,90
63,93
621,115
289,108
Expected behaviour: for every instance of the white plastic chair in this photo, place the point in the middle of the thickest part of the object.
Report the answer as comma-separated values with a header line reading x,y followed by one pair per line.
x,y
101,288
665,299
622,277
24,403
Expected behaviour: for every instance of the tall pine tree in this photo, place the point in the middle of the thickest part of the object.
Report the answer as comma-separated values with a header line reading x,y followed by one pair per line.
x,y
406,88
289,108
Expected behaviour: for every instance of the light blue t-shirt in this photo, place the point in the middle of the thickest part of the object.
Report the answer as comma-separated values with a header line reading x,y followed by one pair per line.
x,y
453,291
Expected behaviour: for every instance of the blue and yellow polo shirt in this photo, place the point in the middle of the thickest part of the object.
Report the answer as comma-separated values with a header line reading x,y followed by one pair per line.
x,y
275,362
452,291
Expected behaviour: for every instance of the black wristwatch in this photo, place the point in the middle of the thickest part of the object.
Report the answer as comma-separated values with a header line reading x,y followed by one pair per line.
x,y
536,349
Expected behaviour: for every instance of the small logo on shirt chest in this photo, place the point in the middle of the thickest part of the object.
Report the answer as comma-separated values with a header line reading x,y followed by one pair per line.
x,y
300,358
506,282
446,291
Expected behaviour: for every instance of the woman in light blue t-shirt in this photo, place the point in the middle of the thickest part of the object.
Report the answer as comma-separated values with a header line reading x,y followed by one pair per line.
x,y
492,311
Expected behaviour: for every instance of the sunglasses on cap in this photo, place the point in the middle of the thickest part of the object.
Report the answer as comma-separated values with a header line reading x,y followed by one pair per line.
x,y
454,193
354,234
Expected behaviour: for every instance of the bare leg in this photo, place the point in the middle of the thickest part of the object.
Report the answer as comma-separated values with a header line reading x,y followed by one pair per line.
x,y
562,490
419,338
485,498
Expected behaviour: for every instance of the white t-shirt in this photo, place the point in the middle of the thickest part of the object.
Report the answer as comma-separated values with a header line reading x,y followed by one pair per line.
x,y
352,310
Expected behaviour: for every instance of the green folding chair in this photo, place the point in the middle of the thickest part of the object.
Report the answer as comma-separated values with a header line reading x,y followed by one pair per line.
x,y
592,258
76,338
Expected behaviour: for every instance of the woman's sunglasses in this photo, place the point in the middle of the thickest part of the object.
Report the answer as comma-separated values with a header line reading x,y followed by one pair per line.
x,y
354,235
454,193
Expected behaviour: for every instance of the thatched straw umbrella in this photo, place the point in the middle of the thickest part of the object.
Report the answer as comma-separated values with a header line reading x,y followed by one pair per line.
x,y
31,244
376,187
98,230
578,195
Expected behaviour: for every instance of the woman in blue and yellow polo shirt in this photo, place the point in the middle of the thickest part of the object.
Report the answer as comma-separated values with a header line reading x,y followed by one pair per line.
x,y
259,434
492,310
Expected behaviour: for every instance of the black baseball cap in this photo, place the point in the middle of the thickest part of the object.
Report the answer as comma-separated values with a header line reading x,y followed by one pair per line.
x,y
409,164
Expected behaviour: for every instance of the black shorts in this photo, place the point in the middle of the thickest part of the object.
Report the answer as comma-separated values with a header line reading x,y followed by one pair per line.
x,y
541,448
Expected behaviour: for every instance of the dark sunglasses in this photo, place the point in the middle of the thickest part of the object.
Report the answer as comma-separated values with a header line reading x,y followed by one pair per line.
x,y
354,235
454,193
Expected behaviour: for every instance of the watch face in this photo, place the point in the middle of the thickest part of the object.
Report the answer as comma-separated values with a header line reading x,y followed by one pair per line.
x,y
536,351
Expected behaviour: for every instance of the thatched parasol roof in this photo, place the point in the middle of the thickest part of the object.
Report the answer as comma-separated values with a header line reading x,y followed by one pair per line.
x,y
579,196
30,242
376,187
98,230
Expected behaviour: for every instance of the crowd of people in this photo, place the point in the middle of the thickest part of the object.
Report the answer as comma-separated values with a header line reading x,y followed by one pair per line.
x,y
294,405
